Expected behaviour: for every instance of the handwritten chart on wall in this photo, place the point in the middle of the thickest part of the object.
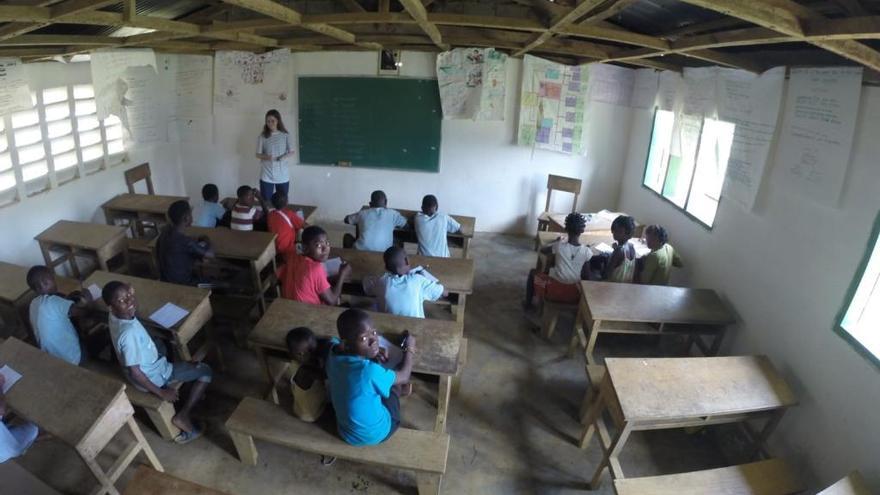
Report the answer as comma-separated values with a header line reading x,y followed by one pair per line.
x,y
820,119
370,122
15,95
551,114
252,82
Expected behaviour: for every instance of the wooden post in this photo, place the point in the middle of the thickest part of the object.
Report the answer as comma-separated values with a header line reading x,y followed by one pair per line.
x,y
244,445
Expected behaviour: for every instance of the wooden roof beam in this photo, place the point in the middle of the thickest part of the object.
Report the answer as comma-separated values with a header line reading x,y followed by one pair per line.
x,y
57,13
35,40
420,14
292,17
574,14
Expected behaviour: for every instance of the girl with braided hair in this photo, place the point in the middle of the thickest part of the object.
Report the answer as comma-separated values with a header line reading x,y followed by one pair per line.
x,y
567,266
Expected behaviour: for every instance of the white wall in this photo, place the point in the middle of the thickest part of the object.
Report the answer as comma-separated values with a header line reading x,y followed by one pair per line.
x,y
785,268
79,199
482,173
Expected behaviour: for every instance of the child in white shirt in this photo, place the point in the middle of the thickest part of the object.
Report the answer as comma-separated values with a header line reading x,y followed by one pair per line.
x,y
431,228
402,292
16,439
375,225
570,265
50,314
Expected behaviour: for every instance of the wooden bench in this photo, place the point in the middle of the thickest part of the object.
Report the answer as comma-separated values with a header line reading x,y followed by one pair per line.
x,y
17,479
767,477
853,484
420,451
148,481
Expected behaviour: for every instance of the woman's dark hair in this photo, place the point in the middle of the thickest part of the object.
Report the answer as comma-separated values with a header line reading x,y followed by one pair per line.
x,y
660,232
273,113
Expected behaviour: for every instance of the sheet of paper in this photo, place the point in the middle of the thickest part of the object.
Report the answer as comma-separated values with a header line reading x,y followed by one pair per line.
x,y
11,376
332,266
169,315
243,80
15,94
670,91
751,102
146,121
603,248
95,292
108,68
645,88
472,83
425,273
820,118
394,352
611,84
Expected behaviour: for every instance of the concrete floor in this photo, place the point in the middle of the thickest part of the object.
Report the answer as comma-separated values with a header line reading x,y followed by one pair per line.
x,y
513,423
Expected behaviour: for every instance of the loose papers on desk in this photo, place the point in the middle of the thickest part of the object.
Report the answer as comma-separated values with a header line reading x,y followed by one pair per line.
x,y
169,315
11,376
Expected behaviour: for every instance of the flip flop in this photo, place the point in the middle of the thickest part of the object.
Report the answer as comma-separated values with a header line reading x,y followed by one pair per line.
x,y
327,460
185,437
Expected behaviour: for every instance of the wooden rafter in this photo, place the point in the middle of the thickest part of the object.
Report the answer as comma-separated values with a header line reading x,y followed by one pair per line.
x,y
57,12
418,12
560,21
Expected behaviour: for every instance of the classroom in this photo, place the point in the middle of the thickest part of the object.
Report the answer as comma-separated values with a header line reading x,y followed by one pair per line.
x,y
623,247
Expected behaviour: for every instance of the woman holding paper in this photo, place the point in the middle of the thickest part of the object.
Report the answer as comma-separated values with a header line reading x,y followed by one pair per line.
x,y
274,147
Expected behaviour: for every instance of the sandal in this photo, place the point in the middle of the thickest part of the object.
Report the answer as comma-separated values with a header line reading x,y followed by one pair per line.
x,y
185,437
327,460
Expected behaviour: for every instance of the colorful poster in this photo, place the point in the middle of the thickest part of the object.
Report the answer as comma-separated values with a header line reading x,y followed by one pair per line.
x,y
252,82
15,95
471,83
552,104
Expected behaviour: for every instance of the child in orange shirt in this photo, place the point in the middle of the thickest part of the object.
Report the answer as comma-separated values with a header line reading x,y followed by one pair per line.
x,y
284,223
304,277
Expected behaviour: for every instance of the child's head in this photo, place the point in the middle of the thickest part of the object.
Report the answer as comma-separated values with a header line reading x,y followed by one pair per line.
x,y
301,343
245,195
210,193
180,214
315,244
358,335
279,200
622,228
119,297
656,236
574,225
429,204
378,199
41,279
396,260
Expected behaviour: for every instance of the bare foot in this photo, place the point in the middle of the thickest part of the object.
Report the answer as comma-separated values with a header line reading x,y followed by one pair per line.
x,y
406,389
184,424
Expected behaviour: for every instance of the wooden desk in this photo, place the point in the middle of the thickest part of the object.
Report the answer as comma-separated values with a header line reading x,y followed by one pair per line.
x,y
308,210
81,408
597,222
137,209
72,239
607,307
152,295
255,248
460,239
438,341
660,393
16,296
456,274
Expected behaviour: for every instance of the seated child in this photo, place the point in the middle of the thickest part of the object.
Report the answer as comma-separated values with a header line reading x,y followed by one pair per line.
x,y
14,440
50,314
402,292
144,367
284,223
655,267
622,265
210,211
176,251
375,225
365,395
304,278
431,228
569,266
245,215
308,372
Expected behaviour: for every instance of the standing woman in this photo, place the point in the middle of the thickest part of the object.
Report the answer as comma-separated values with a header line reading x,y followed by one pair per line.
x,y
274,146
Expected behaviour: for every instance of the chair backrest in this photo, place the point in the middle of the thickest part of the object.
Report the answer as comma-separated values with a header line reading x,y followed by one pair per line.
x,y
853,484
564,184
137,174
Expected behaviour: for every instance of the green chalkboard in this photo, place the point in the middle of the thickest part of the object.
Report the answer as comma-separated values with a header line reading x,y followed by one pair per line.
x,y
370,122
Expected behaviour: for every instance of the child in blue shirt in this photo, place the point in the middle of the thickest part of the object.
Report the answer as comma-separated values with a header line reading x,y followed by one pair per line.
x,y
431,228
375,225
144,367
50,314
210,211
15,439
365,395
401,291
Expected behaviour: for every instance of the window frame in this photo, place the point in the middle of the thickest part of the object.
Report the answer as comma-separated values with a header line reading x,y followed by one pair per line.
x,y
873,239
682,209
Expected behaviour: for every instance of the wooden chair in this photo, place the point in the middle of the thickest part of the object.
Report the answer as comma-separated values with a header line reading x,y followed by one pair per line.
x,y
137,174
853,484
558,183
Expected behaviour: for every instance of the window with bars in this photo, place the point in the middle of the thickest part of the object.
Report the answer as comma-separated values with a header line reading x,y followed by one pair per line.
x,y
687,161
57,141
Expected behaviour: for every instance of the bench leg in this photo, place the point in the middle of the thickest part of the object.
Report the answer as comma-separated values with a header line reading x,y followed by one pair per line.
x,y
161,419
244,445
443,393
429,484
462,357
549,320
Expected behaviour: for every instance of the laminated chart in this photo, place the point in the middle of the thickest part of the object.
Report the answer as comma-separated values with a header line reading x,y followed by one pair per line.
x,y
471,83
552,105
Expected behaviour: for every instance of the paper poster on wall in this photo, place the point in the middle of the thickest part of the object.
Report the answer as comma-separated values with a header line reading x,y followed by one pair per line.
x,y
700,91
611,84
472,83
251,82
751,102
146,121
108,69
552,104
645,88
15,95
817,134
190,109
670,91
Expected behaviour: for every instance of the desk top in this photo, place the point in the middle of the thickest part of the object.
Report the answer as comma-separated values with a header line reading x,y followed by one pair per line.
x,y
152,294
228,243
82,235
438,341
456,274
63,399
14,284
685,388
142,203
467,223
654,304
308,210
599,221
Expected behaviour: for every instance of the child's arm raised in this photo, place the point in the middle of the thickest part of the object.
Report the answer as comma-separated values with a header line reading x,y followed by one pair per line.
x,y
402,375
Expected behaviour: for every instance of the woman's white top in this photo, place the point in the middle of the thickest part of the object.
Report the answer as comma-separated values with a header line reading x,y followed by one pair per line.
x,y
278,143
